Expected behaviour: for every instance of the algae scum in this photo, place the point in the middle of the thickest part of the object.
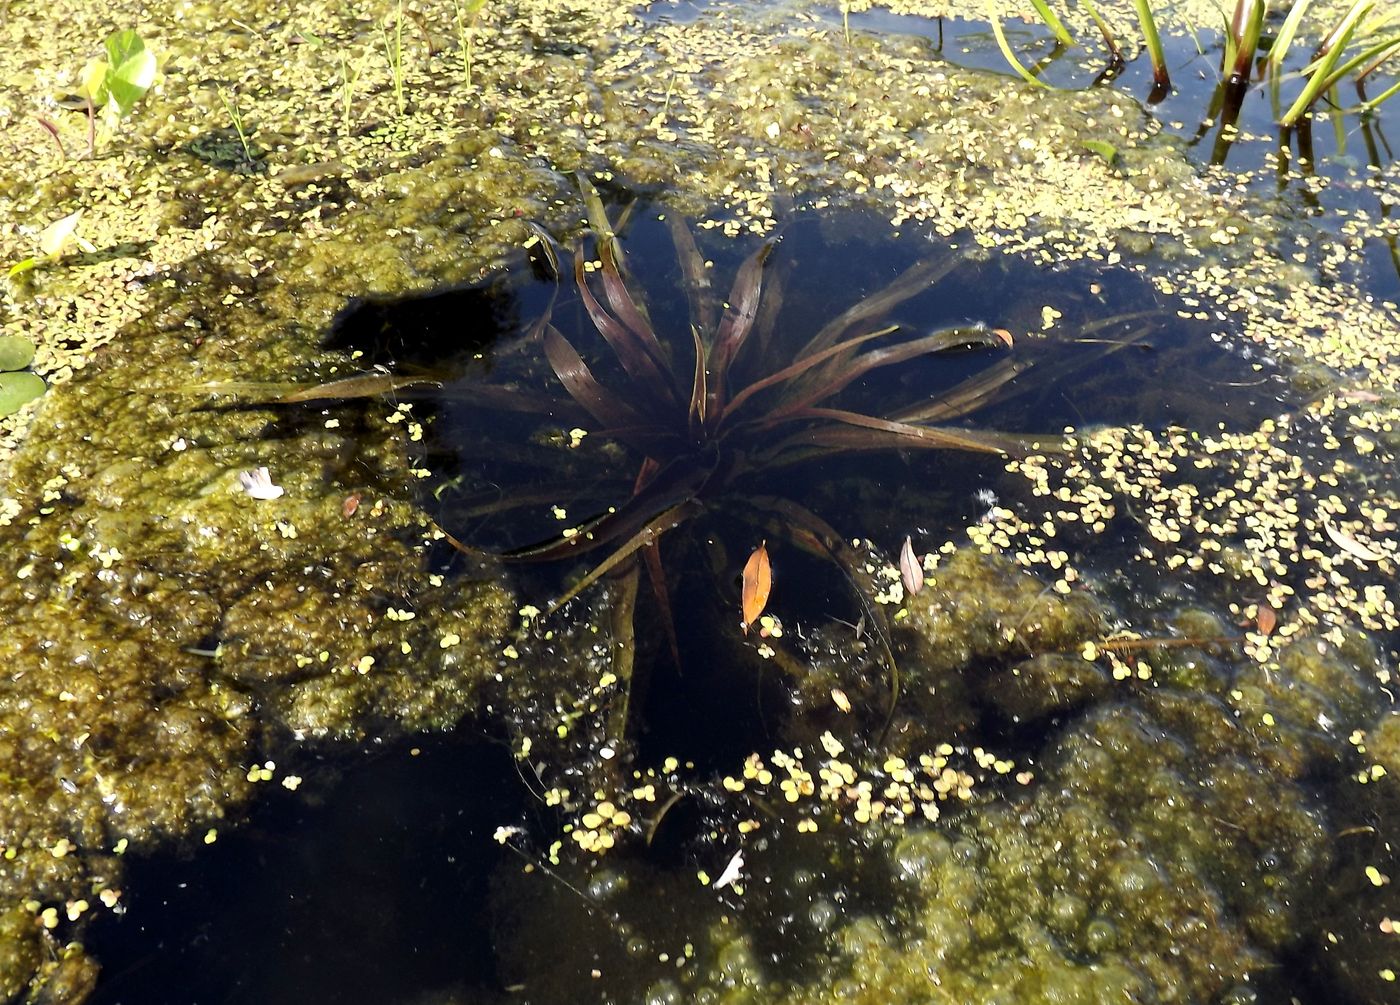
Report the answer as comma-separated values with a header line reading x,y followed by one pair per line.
x,y
288,712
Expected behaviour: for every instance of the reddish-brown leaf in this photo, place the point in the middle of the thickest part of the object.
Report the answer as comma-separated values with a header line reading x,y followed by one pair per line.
x,y
1266,619
350,505
578,380
758,581
629,348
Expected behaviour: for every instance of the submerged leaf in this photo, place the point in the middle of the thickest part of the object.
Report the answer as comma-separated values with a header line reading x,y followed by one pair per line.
x,y
579,381
735,326
672,490
840,375
632,349
910,283
365,385
644,538
911,570
758,581
925,436
615,290
1351,545
698,384
697,281
802,366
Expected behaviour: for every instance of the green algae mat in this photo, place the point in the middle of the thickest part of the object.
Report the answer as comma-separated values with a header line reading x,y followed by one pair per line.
x,y
694,502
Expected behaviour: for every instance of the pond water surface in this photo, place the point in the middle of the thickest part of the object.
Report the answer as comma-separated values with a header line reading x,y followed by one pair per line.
x,y
1200,857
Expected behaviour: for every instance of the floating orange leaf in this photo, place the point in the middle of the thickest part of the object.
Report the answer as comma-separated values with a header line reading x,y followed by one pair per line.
x,y
911,570
1266,619
758,581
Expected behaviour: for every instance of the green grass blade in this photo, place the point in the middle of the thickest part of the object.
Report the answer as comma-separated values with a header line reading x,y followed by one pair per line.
x,y
1341,34
1286,33
1374,55
1160,77
1318,80
1104,30
1005,47
1388,93
1056,26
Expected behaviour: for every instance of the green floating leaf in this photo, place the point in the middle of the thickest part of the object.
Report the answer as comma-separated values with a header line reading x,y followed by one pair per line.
x,y
1105,150
18,390
131,70
16,352
94,82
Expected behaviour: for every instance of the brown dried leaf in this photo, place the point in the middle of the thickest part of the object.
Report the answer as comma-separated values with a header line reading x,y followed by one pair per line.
x,y
1266,619
758,581
911,570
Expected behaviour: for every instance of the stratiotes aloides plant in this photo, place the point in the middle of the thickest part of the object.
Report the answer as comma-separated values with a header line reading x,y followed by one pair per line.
x,y
700,420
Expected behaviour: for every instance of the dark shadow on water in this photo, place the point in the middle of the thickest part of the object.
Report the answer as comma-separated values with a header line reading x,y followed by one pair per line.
x,y
366,888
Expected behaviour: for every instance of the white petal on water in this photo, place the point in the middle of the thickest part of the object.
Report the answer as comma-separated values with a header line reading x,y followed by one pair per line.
x,y
257,482
731,871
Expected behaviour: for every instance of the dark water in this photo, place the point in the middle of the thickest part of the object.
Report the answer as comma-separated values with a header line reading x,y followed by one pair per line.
x,y
364,886
1117,353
